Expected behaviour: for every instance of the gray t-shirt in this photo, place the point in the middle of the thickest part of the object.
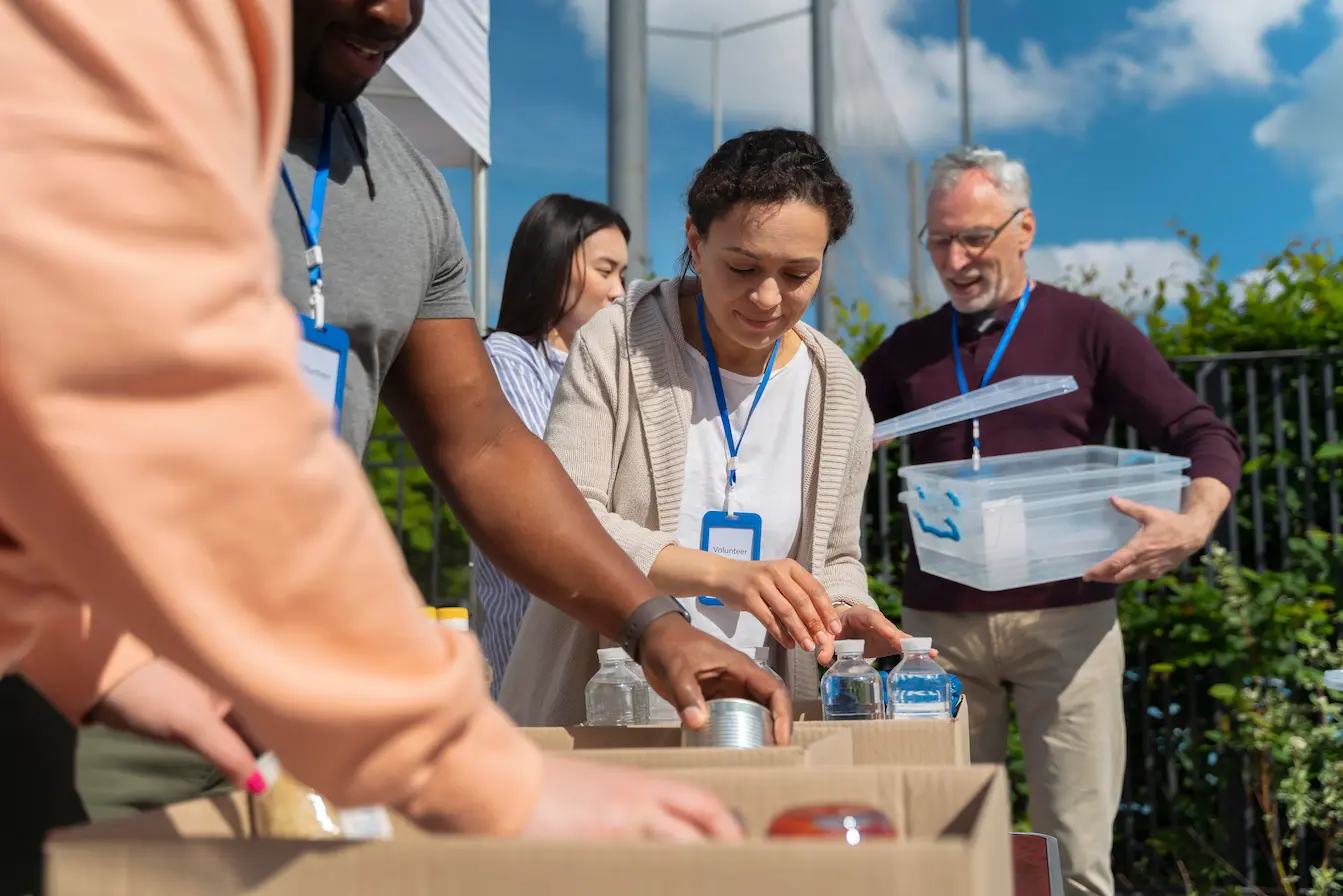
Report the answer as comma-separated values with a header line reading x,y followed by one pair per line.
x,y
391,245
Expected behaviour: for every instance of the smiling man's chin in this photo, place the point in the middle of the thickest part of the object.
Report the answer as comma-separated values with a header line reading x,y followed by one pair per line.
x,y
967,297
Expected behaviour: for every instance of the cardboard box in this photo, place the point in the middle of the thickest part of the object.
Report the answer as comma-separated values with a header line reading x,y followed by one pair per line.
x,y
895,741
953,824
659,747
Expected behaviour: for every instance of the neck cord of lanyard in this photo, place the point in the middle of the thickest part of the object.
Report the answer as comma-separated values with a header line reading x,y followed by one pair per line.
x,y
732,446
312,224
993,362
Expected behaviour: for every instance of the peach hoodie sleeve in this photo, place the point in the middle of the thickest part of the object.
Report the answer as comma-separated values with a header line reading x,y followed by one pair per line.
x,y
163,462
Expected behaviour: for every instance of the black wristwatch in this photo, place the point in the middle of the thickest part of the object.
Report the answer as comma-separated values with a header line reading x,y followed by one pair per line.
x,y
639,620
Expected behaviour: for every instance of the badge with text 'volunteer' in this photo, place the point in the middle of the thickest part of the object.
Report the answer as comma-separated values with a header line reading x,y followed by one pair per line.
x,y
324,350
730,533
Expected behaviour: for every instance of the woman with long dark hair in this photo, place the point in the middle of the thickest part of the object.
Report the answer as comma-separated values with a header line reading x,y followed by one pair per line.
x,y
567,262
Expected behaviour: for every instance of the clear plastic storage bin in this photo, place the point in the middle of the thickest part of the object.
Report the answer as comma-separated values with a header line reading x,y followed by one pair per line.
x,y
1025,519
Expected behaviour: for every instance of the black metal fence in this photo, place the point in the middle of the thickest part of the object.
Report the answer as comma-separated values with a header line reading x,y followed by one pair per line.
x,y
1283,405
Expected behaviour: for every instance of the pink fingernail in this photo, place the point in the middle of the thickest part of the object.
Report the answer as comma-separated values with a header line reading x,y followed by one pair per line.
x,y
256,784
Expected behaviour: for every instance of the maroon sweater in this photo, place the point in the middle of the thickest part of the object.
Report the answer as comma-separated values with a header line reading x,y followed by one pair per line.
x,y
1119,374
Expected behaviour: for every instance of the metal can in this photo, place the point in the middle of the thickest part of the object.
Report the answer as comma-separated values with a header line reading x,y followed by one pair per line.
x,y
851,823
734,724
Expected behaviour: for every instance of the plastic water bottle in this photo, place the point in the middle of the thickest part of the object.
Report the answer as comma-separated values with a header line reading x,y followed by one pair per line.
x,y
616,696
851,689
918,688
761,657
660,710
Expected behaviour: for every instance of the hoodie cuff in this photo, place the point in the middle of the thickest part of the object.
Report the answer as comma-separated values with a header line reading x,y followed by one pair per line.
x,y
486,783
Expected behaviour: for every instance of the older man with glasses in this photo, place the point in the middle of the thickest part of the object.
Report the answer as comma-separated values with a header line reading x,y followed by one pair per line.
x,y
1054,651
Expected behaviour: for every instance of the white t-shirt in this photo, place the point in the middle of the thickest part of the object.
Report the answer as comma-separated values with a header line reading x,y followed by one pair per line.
x,y
769,473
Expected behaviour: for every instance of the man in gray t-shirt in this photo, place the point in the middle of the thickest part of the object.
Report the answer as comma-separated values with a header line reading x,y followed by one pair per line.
x,y
392,249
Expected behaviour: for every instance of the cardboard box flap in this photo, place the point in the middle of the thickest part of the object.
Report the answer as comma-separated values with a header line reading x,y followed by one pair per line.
x,y
581,737
954,825
225,817
923,802
660,748
473,867
895,741
835,749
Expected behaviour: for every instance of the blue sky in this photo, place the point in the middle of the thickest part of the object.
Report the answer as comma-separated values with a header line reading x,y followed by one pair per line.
x,y
1221,114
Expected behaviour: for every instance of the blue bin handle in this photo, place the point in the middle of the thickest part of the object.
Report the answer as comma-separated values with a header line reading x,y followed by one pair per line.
x,y
951,532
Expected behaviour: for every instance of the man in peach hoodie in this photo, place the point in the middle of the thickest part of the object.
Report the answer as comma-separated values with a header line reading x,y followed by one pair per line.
x,y
168,475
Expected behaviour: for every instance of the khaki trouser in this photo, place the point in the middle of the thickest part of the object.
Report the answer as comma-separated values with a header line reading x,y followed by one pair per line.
x,y
119,774
1064,669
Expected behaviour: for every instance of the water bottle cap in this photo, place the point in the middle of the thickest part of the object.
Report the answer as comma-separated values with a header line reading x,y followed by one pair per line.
x,y
916,645
760,654
850,648
612,655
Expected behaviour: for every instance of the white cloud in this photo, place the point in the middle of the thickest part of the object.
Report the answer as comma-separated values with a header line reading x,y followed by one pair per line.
x,y
892,89
1307,131
896,90
1178,47
1125,271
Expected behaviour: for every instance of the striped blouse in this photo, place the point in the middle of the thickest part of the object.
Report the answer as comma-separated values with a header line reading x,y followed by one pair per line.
x,y
528,375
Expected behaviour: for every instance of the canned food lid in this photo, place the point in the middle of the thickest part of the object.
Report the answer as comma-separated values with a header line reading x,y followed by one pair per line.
x,y
612,655
909,645
730,702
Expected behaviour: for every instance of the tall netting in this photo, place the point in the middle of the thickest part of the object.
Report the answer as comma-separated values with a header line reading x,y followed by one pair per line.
x,y
873,262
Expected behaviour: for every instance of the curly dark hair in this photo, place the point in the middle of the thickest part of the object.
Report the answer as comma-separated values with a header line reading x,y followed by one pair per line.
x,y
768,167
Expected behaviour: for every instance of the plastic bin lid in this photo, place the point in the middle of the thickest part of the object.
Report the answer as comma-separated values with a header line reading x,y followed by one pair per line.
x,y
1333,680
1003,396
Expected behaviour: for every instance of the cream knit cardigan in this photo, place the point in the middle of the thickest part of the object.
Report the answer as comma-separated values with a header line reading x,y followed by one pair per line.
x,y
619,426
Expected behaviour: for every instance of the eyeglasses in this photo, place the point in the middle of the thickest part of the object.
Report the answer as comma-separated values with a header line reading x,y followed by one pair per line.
x,y
974,241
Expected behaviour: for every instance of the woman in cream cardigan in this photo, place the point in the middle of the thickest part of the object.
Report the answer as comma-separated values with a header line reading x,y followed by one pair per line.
x,y
723,443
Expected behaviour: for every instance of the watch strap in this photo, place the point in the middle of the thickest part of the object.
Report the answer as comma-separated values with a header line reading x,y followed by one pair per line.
x,y
648,611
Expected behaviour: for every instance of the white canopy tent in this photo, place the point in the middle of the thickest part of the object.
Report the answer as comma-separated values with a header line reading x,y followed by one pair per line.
x,y
436,89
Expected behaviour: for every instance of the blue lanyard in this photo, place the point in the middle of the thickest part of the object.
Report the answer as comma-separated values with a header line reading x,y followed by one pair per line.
x,y
709,355
993,361
312,224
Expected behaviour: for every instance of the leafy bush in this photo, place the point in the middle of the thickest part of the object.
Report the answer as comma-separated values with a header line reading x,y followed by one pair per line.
x,y
1282,720
433,541
1225,694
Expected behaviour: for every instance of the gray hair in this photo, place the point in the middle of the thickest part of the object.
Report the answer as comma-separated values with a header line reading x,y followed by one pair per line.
x,y
1008,175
